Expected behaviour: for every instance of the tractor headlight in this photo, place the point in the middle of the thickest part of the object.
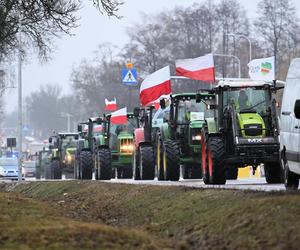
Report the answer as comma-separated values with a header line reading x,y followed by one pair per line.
x,y
196,137
127,147
68,158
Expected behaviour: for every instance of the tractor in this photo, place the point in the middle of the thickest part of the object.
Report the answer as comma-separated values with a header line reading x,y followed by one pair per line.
x,y
63,148
244,131
143,157
93,153
178,141
121,144
43,162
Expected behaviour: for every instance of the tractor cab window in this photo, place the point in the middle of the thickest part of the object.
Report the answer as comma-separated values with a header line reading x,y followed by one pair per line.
x,y
189,110
69,142
247,100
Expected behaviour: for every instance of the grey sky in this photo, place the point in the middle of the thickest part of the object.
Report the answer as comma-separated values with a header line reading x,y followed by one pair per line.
x,y
94,30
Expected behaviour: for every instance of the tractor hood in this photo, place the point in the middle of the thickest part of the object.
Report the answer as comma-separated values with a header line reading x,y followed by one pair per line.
x,y
251,124
125,135
196,124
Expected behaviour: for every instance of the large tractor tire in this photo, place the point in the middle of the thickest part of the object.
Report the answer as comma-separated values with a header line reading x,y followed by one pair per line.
x,y
273,173
56,171
104,170
215,156
146,163
159,160
171,160
86,165
135,166
232,173
48,172
204,165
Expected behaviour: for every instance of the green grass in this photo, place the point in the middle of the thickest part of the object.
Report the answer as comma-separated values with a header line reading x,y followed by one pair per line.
x,y
179,217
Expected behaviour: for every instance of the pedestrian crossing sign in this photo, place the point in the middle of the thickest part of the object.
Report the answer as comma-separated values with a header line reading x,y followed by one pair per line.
x,y
129,76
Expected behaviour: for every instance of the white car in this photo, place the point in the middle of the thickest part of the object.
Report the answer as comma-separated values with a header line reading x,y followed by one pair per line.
x,y
9,168
290,127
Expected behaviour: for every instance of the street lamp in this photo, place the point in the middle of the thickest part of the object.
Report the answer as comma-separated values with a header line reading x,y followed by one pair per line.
x,y
245,37
232,56
68,116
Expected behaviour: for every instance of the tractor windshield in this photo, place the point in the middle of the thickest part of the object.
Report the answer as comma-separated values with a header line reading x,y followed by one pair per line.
x,y
69,142
247,100
189,110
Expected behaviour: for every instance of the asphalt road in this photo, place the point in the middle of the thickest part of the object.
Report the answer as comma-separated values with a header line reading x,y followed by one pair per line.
x,y
254,184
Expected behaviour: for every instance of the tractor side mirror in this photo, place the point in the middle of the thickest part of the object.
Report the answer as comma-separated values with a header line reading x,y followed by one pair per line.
x,y
198,98
136,112
79,128
212,106
162,103
99,120
50,140
297,109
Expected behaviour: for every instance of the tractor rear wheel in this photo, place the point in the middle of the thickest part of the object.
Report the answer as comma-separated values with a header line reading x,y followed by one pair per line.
x,y
215,156
56,172
204,165
86,165
159,160
232,173
171,160
273,172
146,163
103,164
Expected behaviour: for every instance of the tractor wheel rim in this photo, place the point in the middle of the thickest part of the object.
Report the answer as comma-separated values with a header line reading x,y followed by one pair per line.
x,y
158,156
165,163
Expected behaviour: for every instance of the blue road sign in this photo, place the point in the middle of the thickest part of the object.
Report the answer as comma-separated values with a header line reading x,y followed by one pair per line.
x,y
129,76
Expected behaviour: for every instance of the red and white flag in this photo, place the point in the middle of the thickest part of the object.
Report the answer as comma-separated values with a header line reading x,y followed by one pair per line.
x,y
200,68
119,116
110,105
155,85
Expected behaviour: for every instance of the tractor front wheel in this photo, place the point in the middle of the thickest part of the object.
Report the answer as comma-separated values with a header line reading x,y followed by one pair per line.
x,y
86,165
103,164
136,167
159,160
56,172
171,160
146,163
215,156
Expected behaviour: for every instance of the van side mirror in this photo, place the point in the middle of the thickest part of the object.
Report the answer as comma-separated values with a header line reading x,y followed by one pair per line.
x,y
50,140
136,112
79,128
297,109
162,103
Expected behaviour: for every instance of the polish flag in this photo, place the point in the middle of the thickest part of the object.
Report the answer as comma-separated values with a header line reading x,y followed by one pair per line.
x,y
119,116
200,68
110,105
155,85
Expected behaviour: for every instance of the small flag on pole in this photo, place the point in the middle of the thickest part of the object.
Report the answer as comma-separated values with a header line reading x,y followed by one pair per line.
x,y
262,69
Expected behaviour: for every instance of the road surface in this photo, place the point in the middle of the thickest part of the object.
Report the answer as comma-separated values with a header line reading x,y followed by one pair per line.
x,y
254,184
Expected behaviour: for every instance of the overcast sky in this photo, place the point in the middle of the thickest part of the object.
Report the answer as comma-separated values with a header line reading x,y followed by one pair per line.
x,y
94,29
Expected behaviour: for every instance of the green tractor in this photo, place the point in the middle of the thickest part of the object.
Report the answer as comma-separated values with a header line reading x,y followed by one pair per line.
x,y
63,148
121,144
144,158
43,162
178,141
244,131
93,153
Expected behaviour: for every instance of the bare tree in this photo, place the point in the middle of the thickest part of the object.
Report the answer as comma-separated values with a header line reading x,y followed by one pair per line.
x,y
278,26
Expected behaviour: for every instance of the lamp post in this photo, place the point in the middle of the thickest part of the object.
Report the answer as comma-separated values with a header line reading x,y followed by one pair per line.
x,y
249,42
232,56
68,116
20,122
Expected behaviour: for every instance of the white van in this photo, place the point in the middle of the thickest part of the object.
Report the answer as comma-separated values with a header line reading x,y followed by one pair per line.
x,y
290,127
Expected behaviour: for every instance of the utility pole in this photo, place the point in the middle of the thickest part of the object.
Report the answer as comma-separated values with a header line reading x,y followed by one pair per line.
x,y
20,122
